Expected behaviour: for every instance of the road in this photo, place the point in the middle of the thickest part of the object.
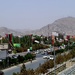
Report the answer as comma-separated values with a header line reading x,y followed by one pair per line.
x,y
33,65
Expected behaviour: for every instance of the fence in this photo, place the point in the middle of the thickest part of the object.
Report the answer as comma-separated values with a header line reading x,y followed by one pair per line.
x,y
68,71
58,69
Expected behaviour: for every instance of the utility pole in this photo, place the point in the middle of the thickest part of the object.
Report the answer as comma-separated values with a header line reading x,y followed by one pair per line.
x,y
53,38
54,62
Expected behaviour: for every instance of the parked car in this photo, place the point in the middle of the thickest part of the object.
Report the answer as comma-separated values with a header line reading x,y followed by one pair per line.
x,y
37,52
43,53
14,56
45,57
51,57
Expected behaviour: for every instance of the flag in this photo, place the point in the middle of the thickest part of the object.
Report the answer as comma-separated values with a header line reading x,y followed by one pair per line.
x,y
6,36
10,38
68,37
53,39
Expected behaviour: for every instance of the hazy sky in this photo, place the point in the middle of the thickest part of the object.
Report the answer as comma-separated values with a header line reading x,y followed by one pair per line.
x,y
33,14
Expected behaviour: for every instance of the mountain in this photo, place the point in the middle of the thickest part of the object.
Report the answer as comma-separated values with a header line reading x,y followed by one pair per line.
x,y
4,30
64,25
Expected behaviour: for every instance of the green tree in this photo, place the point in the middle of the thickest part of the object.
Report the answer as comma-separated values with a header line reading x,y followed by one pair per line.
x,y
72,52
29,56
14,51
59,59
14,74
30,72
23,67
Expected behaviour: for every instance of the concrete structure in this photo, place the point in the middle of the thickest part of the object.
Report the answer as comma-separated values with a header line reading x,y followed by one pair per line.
x,y
3,50
68,71
70,68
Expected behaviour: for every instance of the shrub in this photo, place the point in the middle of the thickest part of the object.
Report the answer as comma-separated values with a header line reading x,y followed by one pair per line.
x,y
59,59
29,56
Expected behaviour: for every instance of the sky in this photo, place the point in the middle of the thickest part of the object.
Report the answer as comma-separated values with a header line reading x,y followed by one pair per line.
x,y
33,14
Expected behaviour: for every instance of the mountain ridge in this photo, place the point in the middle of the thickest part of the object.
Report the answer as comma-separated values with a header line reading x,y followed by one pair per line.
x,y
63,25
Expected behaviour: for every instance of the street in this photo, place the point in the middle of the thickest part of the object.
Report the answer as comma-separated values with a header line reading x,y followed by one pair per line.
x,y
33,65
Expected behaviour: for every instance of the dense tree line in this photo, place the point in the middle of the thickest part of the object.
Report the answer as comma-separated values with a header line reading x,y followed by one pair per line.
x,y
25,42
8,62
